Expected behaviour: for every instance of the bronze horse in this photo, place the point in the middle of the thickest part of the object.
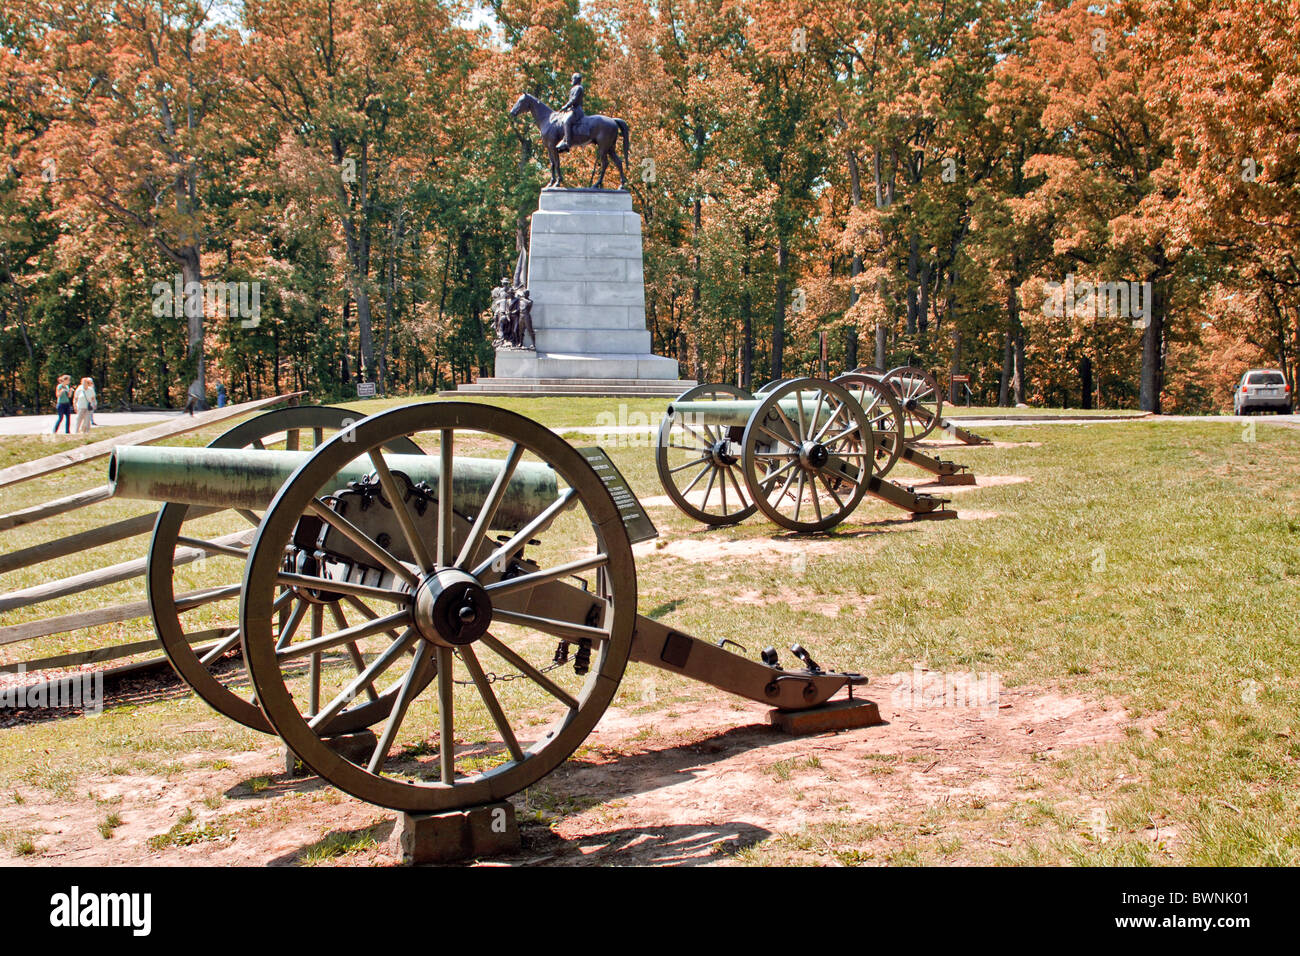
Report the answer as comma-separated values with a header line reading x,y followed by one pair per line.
x,y
603,131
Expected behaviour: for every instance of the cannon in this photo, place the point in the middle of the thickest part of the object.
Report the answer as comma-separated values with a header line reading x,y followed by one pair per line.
x,y
804,452
453,579
918,393
905,420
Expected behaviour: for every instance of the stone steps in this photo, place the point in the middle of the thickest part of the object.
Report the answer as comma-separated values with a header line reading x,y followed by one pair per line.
x,y
575,387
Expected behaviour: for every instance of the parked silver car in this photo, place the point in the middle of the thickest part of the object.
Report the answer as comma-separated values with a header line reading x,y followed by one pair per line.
x,y
1261,389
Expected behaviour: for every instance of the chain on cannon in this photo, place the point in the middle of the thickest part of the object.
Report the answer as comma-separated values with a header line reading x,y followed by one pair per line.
x,y
454,576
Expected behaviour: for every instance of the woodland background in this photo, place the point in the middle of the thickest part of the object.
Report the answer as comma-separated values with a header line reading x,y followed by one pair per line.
x,y
904,177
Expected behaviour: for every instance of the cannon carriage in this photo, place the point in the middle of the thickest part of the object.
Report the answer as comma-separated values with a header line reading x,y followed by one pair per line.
x,y
450,583
804,452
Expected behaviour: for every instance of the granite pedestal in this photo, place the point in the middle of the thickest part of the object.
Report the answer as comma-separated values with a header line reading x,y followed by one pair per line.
x,y
587,282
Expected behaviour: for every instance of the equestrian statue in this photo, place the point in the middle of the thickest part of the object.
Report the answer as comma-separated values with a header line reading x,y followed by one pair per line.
x,y
569,126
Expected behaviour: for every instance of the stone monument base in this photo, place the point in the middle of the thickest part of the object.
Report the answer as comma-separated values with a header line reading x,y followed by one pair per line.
x,y
586,281
574,387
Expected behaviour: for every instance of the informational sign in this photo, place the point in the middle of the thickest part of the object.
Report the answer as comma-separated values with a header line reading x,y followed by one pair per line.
x,y
960,379
635,520
365,389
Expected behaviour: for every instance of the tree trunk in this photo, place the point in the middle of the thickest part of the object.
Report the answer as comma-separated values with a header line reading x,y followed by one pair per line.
x,y
192,272
778,315
746,320
855,269
356,235
1085,383
956,364
1153,359
1004,381
1018,380
695,283
913,257
345,372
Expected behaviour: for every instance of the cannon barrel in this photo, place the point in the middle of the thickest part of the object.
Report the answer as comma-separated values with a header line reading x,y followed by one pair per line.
x,y
247,478
736,413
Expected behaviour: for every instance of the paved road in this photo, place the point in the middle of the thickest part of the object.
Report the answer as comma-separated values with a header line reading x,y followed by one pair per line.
x,y
976,423
1102,419
36,424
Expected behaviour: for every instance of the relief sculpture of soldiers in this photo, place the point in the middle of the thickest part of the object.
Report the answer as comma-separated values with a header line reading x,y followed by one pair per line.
x,y
512,316
563,129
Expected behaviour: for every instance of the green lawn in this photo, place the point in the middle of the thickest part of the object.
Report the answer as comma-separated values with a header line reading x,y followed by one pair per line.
x,y
1150,563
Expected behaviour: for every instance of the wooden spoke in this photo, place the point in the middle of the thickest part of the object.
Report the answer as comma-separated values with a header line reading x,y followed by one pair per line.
x,y
548,685
291,626
525,534
366,677
410,687
446,722
340,587
708,489
703,460
446,470
221,647
213,547
486,513
401,511
339,638
491,703
548,625
528,581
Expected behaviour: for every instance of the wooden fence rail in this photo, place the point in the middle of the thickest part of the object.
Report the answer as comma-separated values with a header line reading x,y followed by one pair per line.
x,y
107,533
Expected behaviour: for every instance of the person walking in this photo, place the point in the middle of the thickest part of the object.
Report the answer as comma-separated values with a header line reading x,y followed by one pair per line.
x,y
63,404
221,395
84,400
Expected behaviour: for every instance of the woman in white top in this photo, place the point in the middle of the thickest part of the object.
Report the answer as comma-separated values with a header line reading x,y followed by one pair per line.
x,y
84,402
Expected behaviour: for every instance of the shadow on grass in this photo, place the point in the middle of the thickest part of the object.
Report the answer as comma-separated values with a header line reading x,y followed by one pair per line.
x,y
264,787
670,845
336,844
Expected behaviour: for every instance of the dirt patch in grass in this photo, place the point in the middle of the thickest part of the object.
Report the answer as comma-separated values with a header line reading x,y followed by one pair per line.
x,y
712,779
701,781
703,547
790,597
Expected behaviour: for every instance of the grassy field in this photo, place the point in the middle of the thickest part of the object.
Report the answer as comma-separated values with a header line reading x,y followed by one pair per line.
x,y
1145,564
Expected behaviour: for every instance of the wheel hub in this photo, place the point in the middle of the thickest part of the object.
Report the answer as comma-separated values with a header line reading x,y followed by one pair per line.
x,y
451,608
721,454
813,454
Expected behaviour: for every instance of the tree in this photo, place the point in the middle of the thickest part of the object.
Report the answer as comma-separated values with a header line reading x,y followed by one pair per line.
x,y
130,94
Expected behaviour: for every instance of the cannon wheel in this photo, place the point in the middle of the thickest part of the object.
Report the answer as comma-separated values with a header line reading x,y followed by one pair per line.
x,y
789,460
489,743
771,385
200,667
916,389
710,451
883,411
